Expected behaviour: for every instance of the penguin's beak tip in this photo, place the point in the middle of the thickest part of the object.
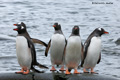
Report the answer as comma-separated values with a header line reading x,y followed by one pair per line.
x,y
15,24
106,32
54,25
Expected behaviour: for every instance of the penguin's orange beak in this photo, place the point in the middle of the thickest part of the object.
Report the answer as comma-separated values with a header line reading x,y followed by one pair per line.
x,y
106,32
15,24
54,25
16,29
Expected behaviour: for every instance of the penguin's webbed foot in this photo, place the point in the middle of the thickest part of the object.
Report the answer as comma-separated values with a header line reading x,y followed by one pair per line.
x,y
53,69
84,70
67,72
27,72
92,71
20,72
76,72
62,69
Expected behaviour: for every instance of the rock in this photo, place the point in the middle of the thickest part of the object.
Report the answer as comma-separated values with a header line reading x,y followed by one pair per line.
x,y
53,76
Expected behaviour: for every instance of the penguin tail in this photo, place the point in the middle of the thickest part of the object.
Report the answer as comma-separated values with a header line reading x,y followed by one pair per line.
x,y
41,66
35,70
69,69
81,65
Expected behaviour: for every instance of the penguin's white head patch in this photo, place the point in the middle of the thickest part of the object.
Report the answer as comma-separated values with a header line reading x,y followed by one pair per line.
x,y
22,27
99,29
19,23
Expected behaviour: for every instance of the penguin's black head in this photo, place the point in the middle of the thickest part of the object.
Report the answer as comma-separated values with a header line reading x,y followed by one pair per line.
x,y
57,26
75,30
100,31
21,27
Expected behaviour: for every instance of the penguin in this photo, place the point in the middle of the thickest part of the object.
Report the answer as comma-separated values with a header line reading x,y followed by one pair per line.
x,y
73,51
26,54
92,50
56,44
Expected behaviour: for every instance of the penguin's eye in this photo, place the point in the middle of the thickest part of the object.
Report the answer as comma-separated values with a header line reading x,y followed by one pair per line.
x,y
22,27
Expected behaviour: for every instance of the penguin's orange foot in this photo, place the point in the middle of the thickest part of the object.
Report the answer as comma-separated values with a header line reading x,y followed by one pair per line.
x,y
62,69
67,72
26,72
94,72
76,72
53,69
19,72
84,70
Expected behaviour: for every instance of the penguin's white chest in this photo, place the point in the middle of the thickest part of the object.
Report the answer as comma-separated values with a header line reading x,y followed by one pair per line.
x,y
57,48
73,52
23,52
93,53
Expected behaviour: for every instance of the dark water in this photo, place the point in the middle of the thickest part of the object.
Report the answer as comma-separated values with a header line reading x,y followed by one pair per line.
x,y
40,15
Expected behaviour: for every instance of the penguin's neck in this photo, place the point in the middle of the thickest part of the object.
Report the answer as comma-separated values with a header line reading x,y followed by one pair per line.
x,y
58,31
97,35
25,34
74,34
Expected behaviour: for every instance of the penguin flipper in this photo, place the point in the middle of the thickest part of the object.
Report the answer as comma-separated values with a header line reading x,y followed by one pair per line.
x,y
63,58
90,36
86,45
41,66
99,59
65,47
82,56
39,42
82,51
33,52
47,48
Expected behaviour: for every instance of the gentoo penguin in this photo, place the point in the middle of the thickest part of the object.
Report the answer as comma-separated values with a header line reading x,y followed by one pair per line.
x,y
56,44
25,50
92,50
73,51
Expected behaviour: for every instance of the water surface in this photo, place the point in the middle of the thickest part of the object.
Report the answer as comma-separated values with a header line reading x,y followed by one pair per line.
x,y
40,15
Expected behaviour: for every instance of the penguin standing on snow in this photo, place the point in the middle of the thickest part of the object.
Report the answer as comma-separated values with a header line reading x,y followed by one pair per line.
x,y
73,51
25,49
56,44
92,52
